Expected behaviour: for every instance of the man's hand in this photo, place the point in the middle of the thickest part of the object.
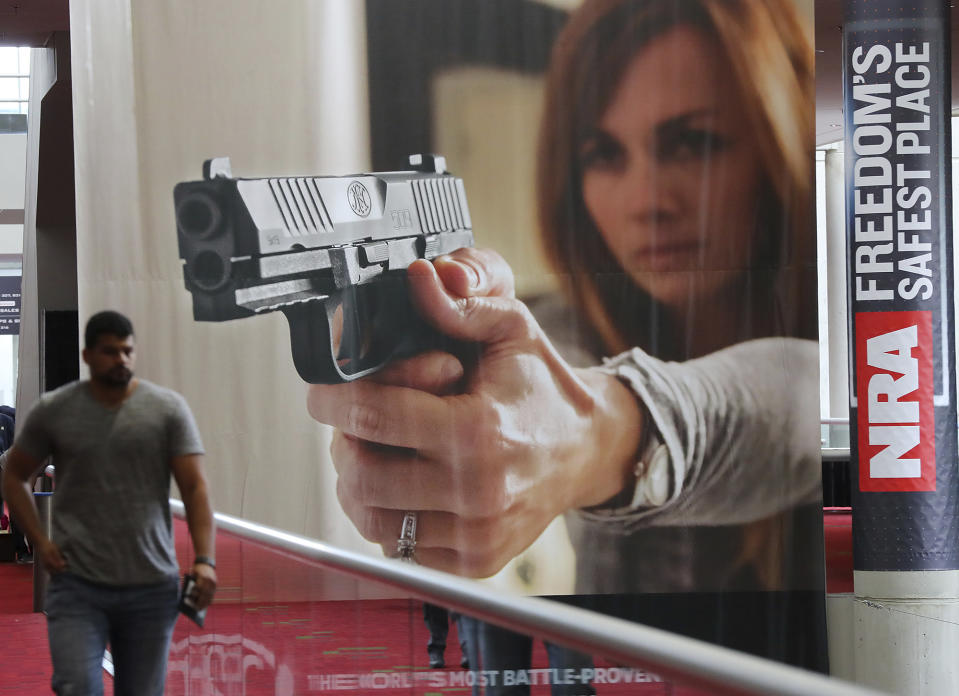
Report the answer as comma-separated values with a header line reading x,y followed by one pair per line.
x,y
205,588
48,553
489,463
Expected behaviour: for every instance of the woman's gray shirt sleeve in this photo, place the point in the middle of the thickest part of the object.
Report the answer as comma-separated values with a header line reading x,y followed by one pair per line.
x,y
737,434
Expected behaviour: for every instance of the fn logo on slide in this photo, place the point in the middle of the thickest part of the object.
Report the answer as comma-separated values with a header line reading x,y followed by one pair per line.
x,y
894,389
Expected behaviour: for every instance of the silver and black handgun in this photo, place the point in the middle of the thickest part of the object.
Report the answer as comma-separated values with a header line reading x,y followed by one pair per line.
x,y
330,252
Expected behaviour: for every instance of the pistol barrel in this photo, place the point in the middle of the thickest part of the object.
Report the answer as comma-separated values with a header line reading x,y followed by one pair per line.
x,y
253,245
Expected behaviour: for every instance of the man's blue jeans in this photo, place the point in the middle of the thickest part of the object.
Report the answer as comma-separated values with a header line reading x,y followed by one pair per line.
x,y
137,621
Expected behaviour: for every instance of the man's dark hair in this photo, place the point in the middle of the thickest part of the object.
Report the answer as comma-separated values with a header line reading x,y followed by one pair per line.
x,y
106,322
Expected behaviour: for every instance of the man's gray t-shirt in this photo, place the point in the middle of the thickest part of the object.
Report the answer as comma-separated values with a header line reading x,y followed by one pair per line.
x,y
111,516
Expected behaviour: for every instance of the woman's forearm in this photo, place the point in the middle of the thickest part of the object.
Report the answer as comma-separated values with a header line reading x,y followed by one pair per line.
x,y
739,431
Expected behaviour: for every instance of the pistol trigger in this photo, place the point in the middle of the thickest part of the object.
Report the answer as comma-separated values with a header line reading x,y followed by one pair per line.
x,y
311,343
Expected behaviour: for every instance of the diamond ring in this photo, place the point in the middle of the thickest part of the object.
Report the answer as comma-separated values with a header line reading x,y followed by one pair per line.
x,y
406,544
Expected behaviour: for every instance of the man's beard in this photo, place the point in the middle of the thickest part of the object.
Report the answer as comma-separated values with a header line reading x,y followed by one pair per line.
x,y
116,377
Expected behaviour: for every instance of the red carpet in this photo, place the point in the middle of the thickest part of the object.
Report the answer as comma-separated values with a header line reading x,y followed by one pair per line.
x,y
25,663
25,666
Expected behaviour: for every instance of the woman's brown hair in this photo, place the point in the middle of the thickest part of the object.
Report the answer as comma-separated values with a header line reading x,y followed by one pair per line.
x,y
768,49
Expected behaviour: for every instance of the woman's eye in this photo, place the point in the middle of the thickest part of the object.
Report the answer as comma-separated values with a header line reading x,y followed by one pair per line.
x,y
600,152
689,144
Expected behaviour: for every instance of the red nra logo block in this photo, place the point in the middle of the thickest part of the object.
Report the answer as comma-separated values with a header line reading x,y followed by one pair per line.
x,y
894,388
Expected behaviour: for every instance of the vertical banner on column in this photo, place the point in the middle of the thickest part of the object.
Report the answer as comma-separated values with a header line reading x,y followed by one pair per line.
x,y
898,226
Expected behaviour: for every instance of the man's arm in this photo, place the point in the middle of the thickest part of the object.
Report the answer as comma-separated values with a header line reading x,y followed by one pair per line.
x,y
188,473
18,472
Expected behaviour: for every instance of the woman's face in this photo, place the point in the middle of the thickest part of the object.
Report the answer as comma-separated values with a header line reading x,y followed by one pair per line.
x,y
671,174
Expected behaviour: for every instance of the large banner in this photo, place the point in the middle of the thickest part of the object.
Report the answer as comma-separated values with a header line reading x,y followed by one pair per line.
x,y
617,405
898,222
645,168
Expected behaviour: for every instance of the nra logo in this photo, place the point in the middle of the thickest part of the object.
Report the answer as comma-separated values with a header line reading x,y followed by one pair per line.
x,y
896,420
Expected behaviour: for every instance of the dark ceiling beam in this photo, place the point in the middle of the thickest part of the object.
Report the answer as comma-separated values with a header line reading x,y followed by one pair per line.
x,y
32,22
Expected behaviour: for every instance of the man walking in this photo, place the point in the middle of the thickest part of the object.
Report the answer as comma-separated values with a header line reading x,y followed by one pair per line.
x,y
114,440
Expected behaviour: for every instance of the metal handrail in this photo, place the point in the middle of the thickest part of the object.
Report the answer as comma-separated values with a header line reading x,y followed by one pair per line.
x,y
835,454
685,660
